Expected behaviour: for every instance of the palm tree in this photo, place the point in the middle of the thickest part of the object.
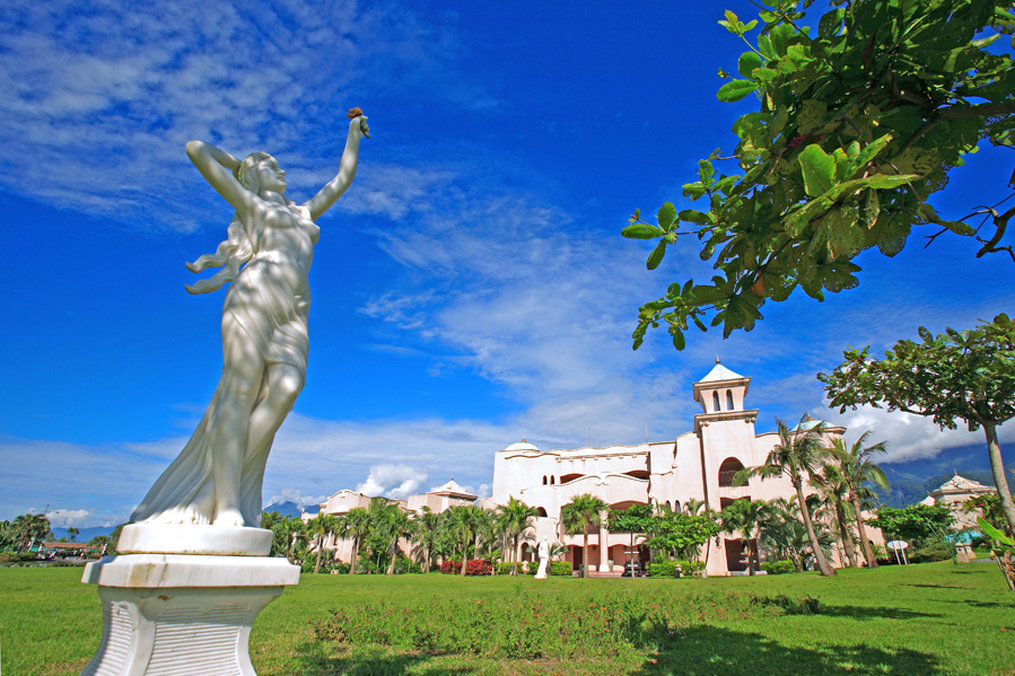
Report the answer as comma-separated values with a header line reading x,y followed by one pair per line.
x,y
513,519
29,528
797,455
354,525
831,484
318,530
859,470
291,532
426,534
741,517
577,516
464,523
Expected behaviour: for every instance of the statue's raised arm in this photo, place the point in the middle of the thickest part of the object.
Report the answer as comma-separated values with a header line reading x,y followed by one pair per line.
x,y
323,200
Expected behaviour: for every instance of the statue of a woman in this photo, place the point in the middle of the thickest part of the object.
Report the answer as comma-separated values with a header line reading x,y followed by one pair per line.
x,y
217,477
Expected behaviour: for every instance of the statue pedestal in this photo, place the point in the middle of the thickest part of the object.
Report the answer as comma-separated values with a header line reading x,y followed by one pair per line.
x,y
182,613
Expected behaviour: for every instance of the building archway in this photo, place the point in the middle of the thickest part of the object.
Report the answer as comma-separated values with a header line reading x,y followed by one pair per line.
x,y
728,469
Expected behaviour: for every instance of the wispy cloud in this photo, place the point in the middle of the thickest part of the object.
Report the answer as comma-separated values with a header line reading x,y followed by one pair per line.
x,y
100,99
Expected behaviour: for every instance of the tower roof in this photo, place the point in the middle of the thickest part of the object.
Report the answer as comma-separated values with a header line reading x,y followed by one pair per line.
x,y
720,372
453,490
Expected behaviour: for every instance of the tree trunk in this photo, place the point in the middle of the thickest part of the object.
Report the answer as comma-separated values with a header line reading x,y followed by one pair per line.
x,y
320,550
868,552
355,554
394,556
997,468
847,542
585,553
819,555
465,557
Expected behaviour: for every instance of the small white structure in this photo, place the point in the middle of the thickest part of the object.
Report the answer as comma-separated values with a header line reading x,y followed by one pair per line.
x,y
953,494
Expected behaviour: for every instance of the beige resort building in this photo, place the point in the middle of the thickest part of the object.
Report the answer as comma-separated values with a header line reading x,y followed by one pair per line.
x,y
953,494
699,464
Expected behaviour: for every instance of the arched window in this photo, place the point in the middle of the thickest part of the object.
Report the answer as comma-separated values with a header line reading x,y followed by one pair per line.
x,y
676,505
540,511
715,402
729,400
544,479
552,480
728,469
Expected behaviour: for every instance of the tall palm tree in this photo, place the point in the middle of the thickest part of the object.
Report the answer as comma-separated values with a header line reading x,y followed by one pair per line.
x,y
318,530
797,456
859,470
354,525
513,519
832,486
742,517
578,516
425,536
464,524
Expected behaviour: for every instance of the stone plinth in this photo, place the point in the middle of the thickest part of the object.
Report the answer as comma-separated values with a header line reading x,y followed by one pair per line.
x,y
182,613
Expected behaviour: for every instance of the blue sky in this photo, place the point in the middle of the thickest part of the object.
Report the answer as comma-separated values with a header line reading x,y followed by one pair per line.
x,y
469,290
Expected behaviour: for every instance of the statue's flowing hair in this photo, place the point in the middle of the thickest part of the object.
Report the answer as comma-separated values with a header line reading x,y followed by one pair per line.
x,y
238,247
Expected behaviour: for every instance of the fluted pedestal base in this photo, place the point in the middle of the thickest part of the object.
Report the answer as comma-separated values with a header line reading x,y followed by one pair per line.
x,y
182,614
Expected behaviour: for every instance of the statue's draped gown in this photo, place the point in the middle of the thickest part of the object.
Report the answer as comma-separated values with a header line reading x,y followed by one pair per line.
x,y
272,313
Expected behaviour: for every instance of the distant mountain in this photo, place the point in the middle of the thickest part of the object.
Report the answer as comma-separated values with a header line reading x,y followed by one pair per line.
x,y
85,535
289,508
911,481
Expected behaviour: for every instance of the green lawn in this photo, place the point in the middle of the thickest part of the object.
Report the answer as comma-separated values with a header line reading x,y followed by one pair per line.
x,y
895,620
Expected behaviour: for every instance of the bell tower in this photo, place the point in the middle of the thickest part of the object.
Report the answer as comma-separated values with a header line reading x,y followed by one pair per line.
x,y
721,394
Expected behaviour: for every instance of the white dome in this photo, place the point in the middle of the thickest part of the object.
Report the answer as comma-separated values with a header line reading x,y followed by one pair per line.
x,y
521,446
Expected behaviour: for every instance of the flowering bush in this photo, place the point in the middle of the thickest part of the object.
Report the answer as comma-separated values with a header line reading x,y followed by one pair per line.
x,y
473,567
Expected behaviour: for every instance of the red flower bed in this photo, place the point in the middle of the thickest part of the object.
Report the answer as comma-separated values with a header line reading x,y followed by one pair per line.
x,y
473,567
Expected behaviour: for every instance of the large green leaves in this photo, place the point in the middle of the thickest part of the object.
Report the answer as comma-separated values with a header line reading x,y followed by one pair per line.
x,y
855,129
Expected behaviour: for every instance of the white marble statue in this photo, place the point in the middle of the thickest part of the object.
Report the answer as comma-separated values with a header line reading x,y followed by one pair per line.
x,y
217,477
544,559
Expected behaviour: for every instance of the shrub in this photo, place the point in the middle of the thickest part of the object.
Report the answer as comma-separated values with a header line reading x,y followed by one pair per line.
x,y
560,568
778,567
338,568
473,567
662,568
930,551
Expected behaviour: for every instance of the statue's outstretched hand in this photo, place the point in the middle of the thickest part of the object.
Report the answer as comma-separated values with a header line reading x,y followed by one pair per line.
x,y
358,123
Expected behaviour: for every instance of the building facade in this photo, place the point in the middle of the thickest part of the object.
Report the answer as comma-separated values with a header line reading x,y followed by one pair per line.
x,y
698,465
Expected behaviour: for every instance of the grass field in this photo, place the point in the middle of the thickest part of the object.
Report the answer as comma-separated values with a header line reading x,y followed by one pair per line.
x,y
927,618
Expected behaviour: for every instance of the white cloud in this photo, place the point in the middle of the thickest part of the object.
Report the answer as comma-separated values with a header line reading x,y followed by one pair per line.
x,y
66,518
296,496
908,436
393,481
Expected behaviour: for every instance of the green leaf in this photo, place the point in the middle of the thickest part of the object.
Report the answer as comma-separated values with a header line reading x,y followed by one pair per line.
x,y
818,169
747,62
872,150
735,90
678,338
994,532
693,190
885,181
667,212
656,257
693,216
641,231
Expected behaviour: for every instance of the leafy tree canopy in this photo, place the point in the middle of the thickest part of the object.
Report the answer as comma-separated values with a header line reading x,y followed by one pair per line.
x,y
956,375
914,523
858,124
